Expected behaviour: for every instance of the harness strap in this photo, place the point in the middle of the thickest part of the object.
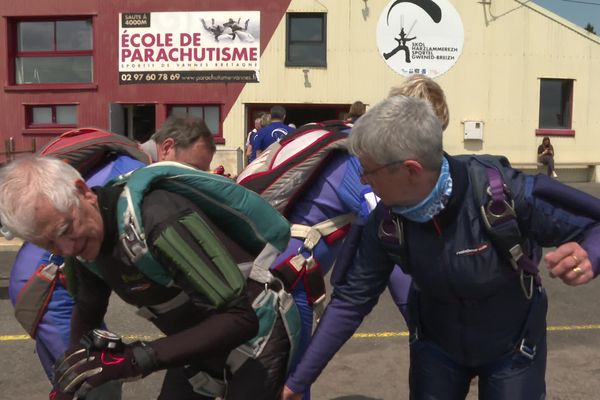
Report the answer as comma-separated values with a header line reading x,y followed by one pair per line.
x,y
205,384
323,229
501,222
304,265
535,325
33,298
153,311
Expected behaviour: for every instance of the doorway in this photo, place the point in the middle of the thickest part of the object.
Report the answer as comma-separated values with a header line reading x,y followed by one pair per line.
x,y
299,114
136,121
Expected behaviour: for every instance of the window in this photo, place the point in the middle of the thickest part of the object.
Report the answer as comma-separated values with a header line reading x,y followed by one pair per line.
x,y
306,40
210,114
556,102
53,51
50,116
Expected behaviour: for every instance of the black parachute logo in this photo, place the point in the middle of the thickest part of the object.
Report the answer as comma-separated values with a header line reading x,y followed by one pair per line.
x,y
431,8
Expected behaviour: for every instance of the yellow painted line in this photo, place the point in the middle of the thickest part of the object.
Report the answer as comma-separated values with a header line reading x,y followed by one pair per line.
x,y
360,335
368,335
574,328
8,338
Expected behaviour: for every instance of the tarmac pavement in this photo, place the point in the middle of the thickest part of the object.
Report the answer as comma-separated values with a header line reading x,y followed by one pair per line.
x,y
373,365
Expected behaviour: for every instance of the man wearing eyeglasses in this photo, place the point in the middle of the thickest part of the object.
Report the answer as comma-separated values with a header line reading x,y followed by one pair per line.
x,y
473,313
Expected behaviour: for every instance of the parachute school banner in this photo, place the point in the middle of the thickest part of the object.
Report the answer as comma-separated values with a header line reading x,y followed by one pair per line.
x,y
420,36
189,47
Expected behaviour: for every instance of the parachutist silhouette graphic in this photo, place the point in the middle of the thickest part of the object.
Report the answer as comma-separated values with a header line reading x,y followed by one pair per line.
x,y
215,29
229,30
401,46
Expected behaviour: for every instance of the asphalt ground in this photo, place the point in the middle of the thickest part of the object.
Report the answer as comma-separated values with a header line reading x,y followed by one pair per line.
x,y
373,365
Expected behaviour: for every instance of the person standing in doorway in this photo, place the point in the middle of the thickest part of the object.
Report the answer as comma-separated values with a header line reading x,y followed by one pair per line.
x,y
250,153
272,132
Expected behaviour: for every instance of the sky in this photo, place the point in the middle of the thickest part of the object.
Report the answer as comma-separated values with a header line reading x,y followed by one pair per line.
x,y
580,12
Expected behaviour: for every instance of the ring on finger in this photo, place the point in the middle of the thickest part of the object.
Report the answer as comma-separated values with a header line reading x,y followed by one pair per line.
x,y
578,270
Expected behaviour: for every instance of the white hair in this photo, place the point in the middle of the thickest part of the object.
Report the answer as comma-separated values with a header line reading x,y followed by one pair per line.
x,y
25,181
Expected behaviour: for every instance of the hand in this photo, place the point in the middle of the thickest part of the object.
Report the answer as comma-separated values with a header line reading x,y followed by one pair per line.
x,y
570,263
288,394
81,370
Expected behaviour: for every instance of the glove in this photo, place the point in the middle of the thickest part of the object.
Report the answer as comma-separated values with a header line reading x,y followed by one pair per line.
x,y
82,369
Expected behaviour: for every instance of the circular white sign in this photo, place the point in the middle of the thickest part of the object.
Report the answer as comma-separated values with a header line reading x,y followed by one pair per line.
x,y
420,36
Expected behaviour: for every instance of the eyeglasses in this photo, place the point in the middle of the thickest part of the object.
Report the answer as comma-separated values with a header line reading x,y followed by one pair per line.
x,y
364,173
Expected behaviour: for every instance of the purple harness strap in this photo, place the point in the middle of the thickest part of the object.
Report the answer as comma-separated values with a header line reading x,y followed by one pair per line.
x,y
500,216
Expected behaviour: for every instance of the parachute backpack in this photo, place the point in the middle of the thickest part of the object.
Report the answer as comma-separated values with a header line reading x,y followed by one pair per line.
x,y
282,172
280,175
243,216
86,148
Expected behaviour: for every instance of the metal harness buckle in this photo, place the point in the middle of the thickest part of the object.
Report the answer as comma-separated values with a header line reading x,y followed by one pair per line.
x,y
527,351
395,235
134,244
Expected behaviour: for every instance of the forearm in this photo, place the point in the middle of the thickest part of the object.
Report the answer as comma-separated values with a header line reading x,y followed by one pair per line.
x,y
215,336
81,323
338,324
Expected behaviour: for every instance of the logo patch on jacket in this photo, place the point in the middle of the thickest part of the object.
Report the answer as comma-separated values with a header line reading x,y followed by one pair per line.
x,y
471,252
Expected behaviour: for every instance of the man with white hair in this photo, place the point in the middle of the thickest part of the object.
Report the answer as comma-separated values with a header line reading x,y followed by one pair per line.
x,y
46,202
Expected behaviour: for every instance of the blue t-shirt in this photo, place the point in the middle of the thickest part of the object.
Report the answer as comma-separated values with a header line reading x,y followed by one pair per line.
x,y
270,134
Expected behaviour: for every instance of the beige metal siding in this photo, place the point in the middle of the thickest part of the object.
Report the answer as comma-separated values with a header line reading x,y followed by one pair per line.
x,y
509,45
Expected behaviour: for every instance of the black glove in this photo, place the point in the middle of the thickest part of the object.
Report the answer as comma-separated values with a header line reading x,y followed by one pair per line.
x,y
82,369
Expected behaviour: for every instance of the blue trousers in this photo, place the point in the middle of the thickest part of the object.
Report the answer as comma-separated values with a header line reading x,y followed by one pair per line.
x,y
434,376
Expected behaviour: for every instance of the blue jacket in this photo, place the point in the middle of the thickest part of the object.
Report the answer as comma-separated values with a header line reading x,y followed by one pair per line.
x,y
470,302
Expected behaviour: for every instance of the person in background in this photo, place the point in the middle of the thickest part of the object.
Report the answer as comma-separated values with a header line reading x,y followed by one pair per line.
x,y
183,139
272,132
248,152
357,109
423,87
545,154
472,313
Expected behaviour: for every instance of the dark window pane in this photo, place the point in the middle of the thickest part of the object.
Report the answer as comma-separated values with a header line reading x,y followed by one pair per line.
x,y
74,35
307,54
306,29
211,117
555,103
306,40
35,36
54,69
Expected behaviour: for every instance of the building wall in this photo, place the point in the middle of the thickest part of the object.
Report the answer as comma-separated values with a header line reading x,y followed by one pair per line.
x,y
508,46
94,101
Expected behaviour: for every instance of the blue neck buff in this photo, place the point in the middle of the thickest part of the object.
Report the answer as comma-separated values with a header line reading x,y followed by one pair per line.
x,y
434,202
